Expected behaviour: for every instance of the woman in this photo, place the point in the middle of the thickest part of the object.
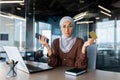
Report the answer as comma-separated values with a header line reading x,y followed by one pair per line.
x,y
67,50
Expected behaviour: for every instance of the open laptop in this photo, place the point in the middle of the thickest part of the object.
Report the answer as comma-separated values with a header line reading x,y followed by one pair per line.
x,y
26,66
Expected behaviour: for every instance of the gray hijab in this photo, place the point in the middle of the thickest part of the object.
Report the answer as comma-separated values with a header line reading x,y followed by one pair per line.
x,y
66,43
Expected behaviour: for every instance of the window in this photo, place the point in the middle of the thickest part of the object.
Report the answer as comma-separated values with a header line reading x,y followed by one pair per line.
x,y
118,35
105,33
4,37
108,41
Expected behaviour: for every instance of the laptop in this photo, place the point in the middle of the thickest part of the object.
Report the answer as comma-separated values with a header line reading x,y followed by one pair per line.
x,y
26,66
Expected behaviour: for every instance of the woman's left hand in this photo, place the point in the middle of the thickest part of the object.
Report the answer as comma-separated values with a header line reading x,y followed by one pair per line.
x,y
89,42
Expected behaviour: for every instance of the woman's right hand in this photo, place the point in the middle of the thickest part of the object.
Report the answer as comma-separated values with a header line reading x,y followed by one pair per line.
x,y
44,43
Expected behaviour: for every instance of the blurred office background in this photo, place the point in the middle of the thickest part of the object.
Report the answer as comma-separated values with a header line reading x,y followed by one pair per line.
x,y
20,20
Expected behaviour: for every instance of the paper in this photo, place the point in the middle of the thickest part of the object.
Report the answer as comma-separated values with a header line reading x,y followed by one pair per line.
x,y
93,35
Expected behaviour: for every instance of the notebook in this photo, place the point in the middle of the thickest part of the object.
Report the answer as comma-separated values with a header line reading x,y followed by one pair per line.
x,y
75,71
26,66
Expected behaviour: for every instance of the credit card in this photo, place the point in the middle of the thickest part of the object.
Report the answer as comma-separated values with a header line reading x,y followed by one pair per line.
x,y
93,35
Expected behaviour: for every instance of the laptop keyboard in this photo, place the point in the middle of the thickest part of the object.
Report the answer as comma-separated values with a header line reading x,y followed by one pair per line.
x,y
31,67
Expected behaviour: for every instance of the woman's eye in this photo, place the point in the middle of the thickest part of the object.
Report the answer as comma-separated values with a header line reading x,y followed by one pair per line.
x,y
64,26
70,26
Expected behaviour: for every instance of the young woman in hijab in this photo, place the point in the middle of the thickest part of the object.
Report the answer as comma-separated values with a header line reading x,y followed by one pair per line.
x,y
67,50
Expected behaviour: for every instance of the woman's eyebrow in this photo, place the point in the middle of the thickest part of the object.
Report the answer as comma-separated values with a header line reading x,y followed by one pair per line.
x,y
70,24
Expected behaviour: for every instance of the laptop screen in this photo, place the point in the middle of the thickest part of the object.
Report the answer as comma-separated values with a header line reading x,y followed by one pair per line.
x,y
14,54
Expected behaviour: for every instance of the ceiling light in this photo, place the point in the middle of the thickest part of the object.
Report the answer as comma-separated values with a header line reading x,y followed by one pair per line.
x,y
80,15
22,3
18,8
106,13
78,19
104,8
81,1
6,16
97,18
84,22
12,1
11,16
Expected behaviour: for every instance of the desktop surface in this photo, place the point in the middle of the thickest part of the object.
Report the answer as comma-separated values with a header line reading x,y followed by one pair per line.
x,y
58,73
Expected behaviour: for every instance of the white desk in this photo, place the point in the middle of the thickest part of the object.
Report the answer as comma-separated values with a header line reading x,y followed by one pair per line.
x,y
58,74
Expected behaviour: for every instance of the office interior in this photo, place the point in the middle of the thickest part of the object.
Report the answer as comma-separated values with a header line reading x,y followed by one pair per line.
x,y
20,21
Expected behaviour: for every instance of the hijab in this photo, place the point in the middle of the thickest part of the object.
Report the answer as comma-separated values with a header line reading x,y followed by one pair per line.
x,y
66,43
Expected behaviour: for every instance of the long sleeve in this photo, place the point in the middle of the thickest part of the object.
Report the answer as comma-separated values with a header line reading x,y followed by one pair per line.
x,y
81,59
54,59
74,58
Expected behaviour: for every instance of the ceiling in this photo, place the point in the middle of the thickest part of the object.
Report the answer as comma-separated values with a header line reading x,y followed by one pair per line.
x,y
42,9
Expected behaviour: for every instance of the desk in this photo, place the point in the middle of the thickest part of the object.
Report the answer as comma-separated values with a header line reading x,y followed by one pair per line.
x,y
58,74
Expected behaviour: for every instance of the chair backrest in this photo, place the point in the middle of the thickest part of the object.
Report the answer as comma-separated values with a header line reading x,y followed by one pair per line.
x,y
92,55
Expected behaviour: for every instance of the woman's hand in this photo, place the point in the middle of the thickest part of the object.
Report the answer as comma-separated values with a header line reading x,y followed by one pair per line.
x,y
44,43
88,43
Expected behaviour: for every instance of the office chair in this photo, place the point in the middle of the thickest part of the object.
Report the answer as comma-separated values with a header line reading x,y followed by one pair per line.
x,y
92,54
2,59
38,55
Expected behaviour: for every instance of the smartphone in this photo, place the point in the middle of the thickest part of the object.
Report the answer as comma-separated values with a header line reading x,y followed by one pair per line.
x,y
37,35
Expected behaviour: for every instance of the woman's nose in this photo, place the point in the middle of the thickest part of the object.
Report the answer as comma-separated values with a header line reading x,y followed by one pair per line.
x,y
67,29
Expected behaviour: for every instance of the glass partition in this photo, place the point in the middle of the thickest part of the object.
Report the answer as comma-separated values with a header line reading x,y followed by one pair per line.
x,y
12,26
14,30
20,34
108,55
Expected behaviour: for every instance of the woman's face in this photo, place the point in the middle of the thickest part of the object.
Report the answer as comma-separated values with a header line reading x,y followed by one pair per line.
x,y
67,29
